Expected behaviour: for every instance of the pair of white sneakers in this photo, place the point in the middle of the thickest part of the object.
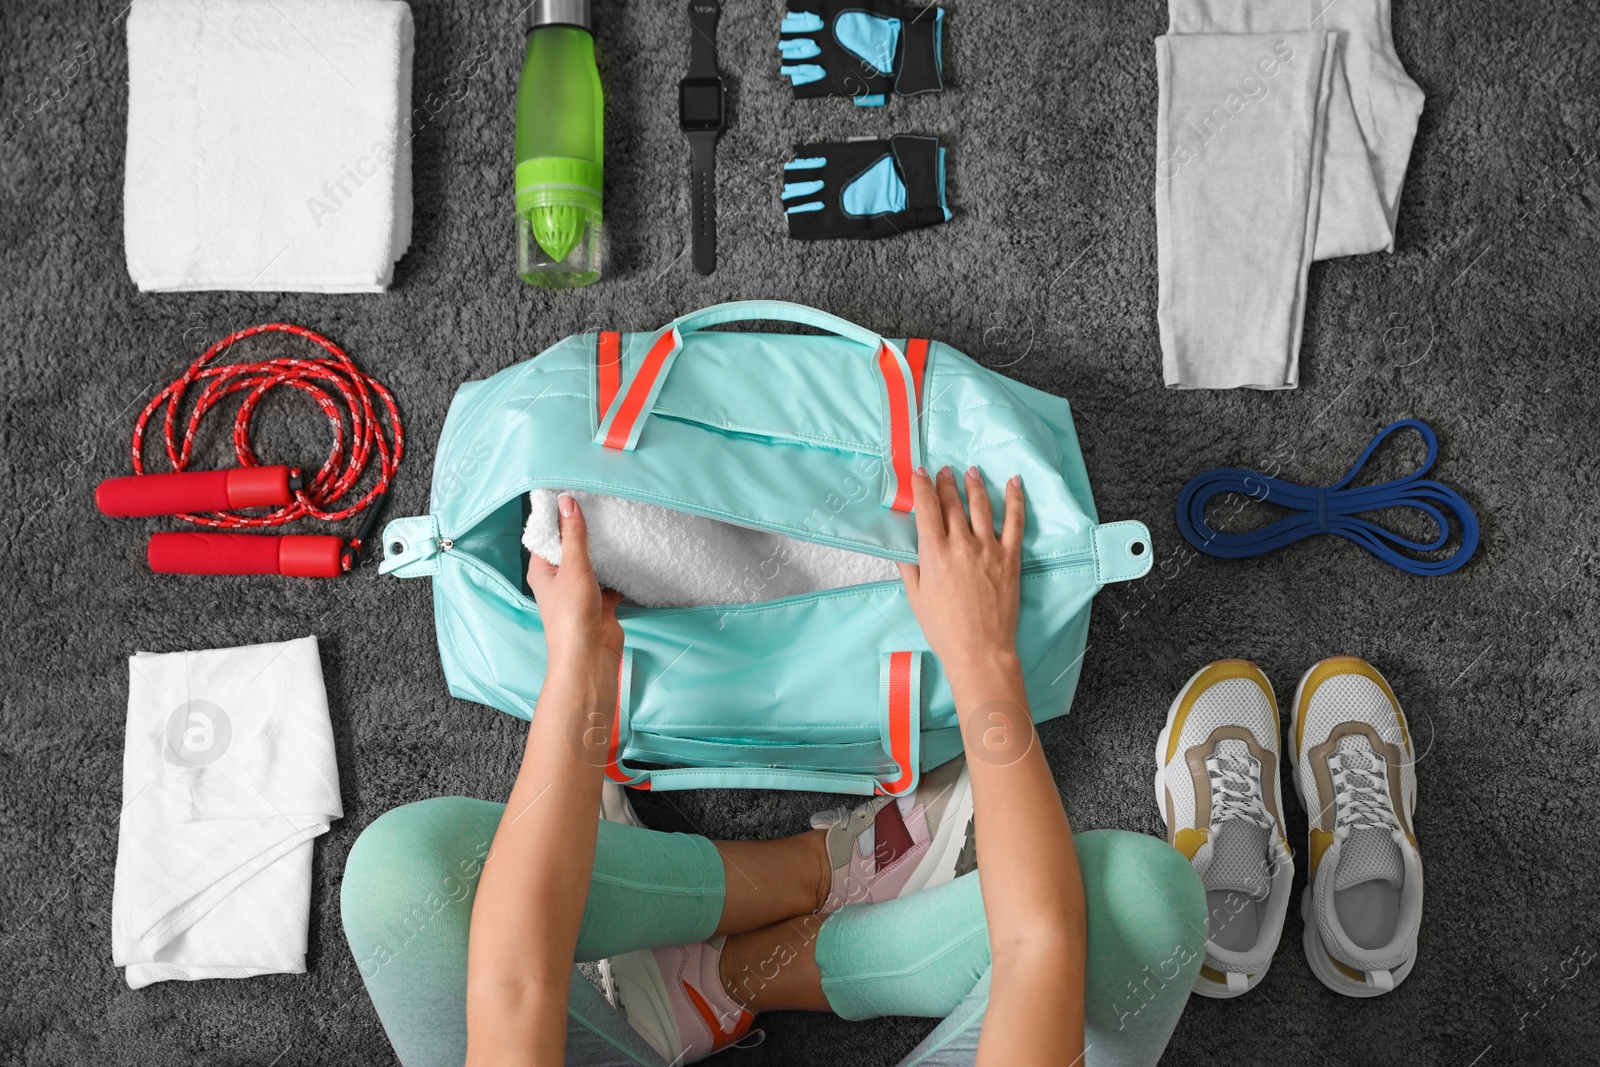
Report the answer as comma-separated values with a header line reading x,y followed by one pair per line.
x,y
1218,787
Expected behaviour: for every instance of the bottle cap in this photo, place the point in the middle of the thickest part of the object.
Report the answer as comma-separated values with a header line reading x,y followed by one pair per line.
x,y
559,13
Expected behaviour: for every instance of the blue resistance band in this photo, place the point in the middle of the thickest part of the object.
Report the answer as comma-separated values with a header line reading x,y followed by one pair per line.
x,y
1334,510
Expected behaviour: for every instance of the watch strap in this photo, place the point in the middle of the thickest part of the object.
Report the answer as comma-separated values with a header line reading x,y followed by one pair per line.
x,y
703,199
703,15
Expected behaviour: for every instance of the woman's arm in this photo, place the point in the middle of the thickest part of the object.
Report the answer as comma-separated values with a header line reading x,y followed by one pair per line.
x,y
965,590
535,882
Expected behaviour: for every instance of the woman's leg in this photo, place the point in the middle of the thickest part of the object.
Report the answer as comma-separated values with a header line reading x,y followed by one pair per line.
x,y
411,878
915,955
406,901
771,880
1146,944
928,954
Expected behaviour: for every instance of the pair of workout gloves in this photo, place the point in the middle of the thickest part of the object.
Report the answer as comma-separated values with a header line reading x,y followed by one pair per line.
x,y
863,188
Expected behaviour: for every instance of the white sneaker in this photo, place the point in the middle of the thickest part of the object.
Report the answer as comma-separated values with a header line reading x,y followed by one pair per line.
x,y
1218,789
1355,768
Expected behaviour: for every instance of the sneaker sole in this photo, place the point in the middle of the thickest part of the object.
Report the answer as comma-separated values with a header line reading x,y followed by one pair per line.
x,y
1203,985
639,992
1322,965
608,981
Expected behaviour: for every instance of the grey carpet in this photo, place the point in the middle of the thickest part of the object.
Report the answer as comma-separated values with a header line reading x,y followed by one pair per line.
x,y
1482,323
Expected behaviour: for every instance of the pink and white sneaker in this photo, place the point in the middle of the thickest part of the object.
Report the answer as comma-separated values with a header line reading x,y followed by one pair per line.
x,y
890,847
880,850
673,998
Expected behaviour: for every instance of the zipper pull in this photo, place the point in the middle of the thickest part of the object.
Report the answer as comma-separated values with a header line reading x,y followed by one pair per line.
x,y
411,547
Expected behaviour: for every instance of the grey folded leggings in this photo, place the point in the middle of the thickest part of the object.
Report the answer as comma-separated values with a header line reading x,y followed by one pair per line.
x,y
1283,132
411,877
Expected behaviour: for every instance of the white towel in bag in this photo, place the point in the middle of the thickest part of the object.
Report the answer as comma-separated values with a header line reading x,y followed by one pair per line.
x,y
268,144
660,558
227,776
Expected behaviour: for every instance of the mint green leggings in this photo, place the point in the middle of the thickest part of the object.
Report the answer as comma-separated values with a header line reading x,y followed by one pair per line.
x,y
411,877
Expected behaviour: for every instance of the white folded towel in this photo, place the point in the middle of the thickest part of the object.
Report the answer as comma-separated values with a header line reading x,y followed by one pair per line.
x,y
659,558
227,776
268,144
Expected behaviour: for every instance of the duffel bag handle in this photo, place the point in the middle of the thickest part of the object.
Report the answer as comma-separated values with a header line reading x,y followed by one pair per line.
x,y
774,311
899,729
624,408
761,778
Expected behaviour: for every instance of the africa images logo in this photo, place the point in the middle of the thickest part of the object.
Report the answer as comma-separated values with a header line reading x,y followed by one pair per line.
x,y
198,732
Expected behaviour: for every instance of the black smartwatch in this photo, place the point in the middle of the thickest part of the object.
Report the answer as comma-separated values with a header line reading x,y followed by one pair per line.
x,y
702,114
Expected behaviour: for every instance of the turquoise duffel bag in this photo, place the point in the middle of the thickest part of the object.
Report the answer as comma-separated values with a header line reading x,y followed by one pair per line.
x,y
810,436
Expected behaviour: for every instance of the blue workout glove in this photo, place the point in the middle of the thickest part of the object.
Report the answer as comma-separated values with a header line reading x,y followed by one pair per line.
x,y
861,48
864,189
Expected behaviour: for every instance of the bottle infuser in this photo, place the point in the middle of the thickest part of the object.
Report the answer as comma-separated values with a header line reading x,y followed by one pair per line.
x,y
560,142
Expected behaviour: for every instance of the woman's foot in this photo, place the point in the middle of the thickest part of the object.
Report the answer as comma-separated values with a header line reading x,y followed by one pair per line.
x,y
888,848
674,998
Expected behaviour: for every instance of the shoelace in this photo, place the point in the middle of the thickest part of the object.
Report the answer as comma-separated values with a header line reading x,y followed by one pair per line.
x,y
1361,796
1336,510
1236,791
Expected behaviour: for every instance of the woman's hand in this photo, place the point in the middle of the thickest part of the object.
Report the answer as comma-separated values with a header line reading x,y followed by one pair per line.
x,y
966,589
580,619
965,586
535,880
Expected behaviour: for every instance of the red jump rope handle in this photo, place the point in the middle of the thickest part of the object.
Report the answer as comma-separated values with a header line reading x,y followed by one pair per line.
x,y
294,555
189,492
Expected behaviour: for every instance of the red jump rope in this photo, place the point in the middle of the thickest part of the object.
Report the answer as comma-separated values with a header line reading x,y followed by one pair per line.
x,y
214,499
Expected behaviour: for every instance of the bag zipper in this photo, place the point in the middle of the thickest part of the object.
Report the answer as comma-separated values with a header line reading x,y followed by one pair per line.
x,y
1075,561
1050,563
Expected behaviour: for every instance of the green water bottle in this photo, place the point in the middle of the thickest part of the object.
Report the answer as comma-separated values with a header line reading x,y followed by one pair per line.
x,y
560,132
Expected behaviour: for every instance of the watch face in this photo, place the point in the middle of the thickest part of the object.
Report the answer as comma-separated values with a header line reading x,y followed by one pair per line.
x,y
700,104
